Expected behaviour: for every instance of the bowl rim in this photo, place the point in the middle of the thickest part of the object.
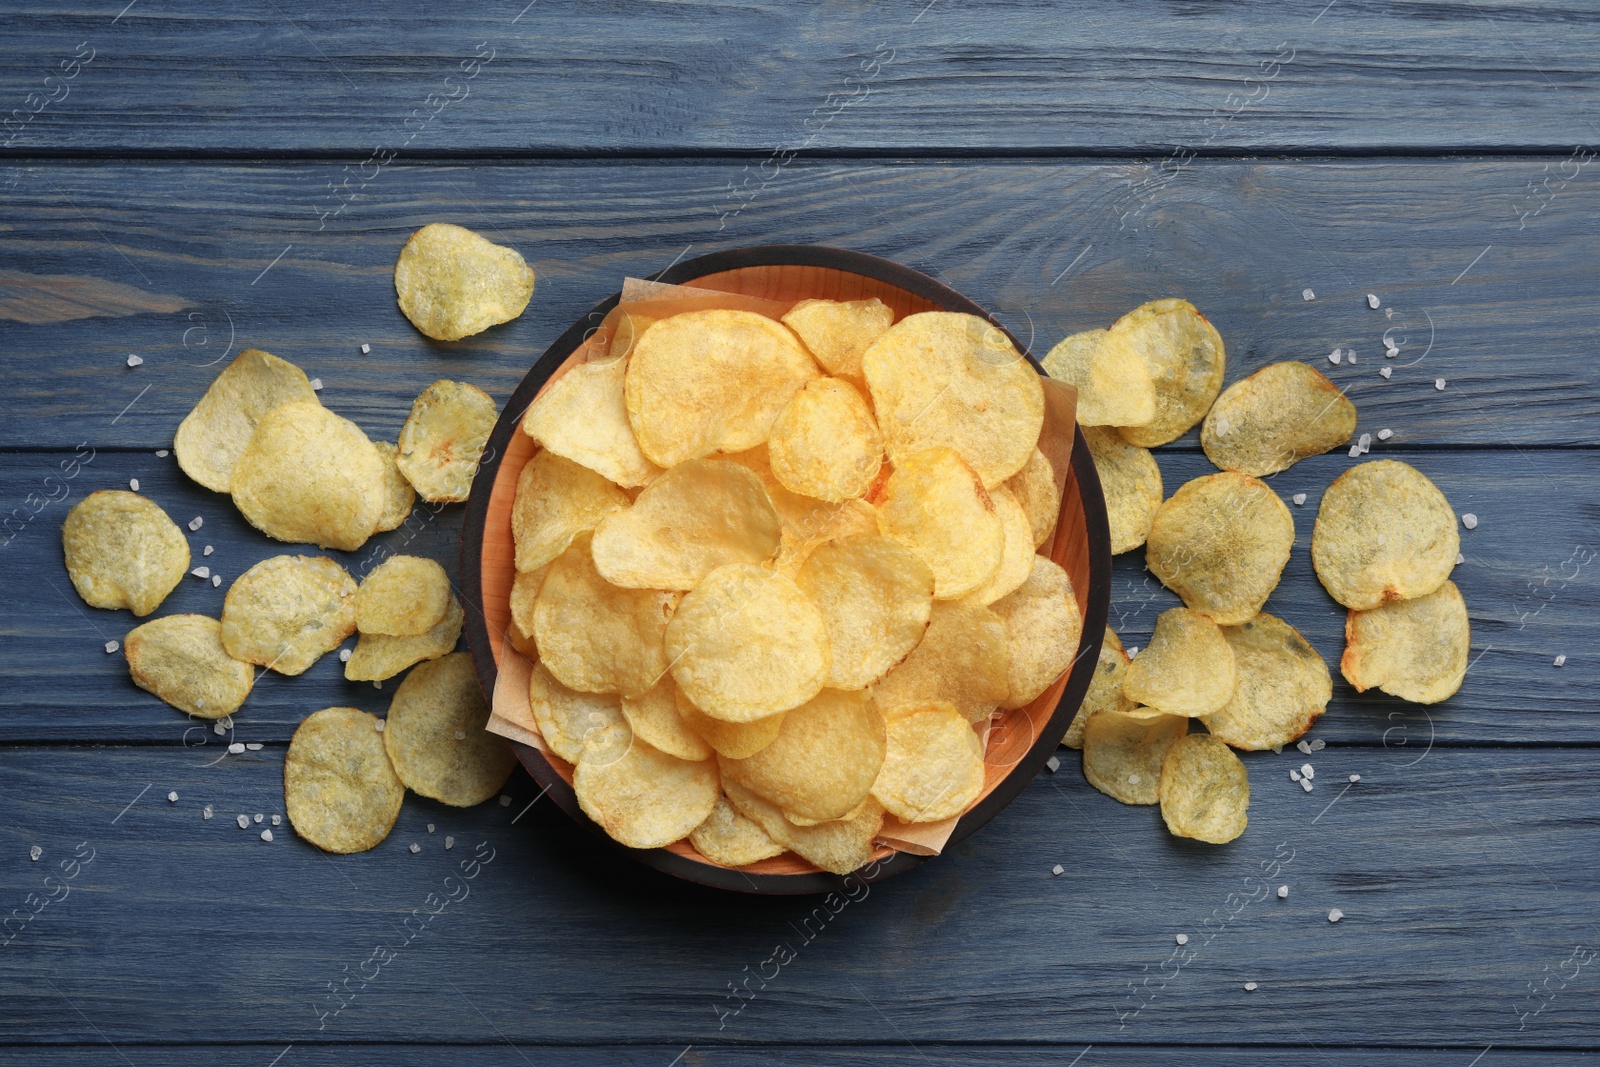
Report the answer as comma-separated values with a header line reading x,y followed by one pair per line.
x,y
1098,597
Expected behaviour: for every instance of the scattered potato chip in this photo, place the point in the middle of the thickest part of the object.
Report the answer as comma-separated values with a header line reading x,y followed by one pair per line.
x,y
453,283
308,475
557,500
729,839
747,643
963,659
1016,554
123,551
582,416
824,443
1220,543
838,332
946,379
823,761
443,439
436,739
1205,792
1123,753
403,596
380,656
1185,358
875,596
285,612
1273,419
524,593
1414,649
711,381
1187,669
399,498
1043,627
935,504
655,720
932,766
213,436
180,659
735,740
1034,486
1283,686
339,789
1113,383
568,718
1384,532
645,798
1105,688
839,846
1131,482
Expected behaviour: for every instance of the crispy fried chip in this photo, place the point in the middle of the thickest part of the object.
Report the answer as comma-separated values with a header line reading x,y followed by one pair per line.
x,y
1016,555
935,504
839,846
1185,358
1034,486
1384,532
733,739
403,596
436,739
711,381
696,517
581,416
1043,626
1220,543
524,593
1105,688
1122,753
655,720
309,475
380,656
557,500
123,551
443,438
838,332
645,798
180,659
946,379
1113,383
1273,419
963,659
1205,792
1131,482
823,761
566,717
824,443
1283,686
453,283
212,437
933,764
729,839
1413,649
747,643
399,498
285,612
1187,669
339,788
875,596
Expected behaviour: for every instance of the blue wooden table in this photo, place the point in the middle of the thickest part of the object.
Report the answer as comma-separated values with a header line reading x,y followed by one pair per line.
x,y
178,182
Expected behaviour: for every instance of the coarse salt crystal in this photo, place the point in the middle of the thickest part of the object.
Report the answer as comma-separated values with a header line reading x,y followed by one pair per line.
x,y
316,385
1336,355
135,361
111,646
1057,870
1561,660
1382,538
1470,521
1133,779
34,853
277,820
196,522
206,812
1334,915
1355,450
1294,775
227,720
1054,763
1222,427
1372,301
162,453
1303,746
1305,783
1307,771
253,746
377,685
1299,498
1460,559
366,349
1438,383
172,797
1350,354
1386,371
259,817
415,848
208,551
236,748
244,822
380,726
1283,892
344,655
1355,778
201,572
1307,294
1389,350
449,842
1132,652
1385,434
266,835
1365,442
216,581
218,728
505,801
1318,745
1249,987
133,483
430,828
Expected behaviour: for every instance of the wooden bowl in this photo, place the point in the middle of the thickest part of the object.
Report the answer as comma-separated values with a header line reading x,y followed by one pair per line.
x,y
1021,741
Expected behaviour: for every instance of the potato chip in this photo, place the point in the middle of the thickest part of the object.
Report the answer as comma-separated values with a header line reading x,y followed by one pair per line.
x,y
1384,532
1105,688
399,498
213,436
436,739
1043,627
180,659
946,379
308,475
747,643
711,381
1122,753
839,846
403,596
823,761
733,739
1016,555
581,415
339,789
1185,358
654,719
1273,419
524,593
1414,649
123,551
1220,543
824,443
1113,383
442,441
568,718
1283,686
875,596
1034,486
595,636
1131,482
453,283
729,839
1187,669
935,504
838,332
380,656
645,798
696,517
557,500
932,766
285,612
963,659
806,523
1205,791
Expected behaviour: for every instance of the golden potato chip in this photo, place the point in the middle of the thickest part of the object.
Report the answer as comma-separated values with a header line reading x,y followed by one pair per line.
x,y
875,596
654,719
309,475
1205,791
951,380
1220,543
595,636
399,498
557,500
823,761
1105,688
711,381
123,551
524,593
339,789
1187,669
1283,686
1131,482
1414,649
1043,627
380,656
285,612
696,517
1185,358
733,739
1113,383
403,596
935,504
1384,532
1016,555
436,739
443,439
567,718
453,283
731,840
963,659
838,846
932,766
180,659
1034,486
747,643
838,332
581,415
645,798
213,436
1122,753
1273,419
824,443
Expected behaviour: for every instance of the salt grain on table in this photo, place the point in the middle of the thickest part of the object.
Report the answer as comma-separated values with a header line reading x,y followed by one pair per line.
x,y
1460,559
316,385
1182,939
216,581
208,551
1283,892
505,801
1054,763
133,483
34,853
218,728
1372,301
1365,442
111,646
344,655
253,746
1350,354
259,817
430,828
1355,778
1386,371
1307,294
196,522
161,452
1336,355
206,813
1317,745
415,848
1470,521
449,842
201,572
1335,915
1561,660
1307,771
1355,451
366,349
1305,783
172,797
1299,498
1249,987
1438,383
236,748
277,820
1294,775
1057,870
135,361
1132,652
266,835
1385,434
244,822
